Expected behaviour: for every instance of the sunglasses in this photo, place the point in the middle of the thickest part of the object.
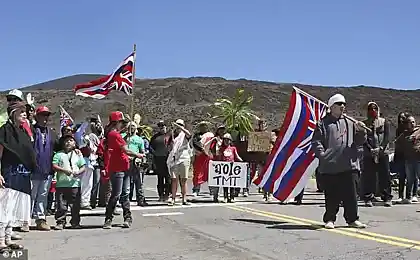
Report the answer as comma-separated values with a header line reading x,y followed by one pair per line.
x,y
340,103
12,99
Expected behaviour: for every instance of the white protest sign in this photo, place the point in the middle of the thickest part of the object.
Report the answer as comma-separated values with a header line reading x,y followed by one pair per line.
x,y
228,174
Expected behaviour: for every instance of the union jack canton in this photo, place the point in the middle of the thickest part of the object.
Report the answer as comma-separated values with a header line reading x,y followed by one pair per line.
x,y
65,119
292,161
121,80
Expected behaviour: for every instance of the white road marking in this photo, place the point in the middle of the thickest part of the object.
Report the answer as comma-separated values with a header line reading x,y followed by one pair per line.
x,y
165,207
162,214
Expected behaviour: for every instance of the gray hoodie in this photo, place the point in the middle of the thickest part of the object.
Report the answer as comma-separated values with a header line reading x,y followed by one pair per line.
x,y
337,145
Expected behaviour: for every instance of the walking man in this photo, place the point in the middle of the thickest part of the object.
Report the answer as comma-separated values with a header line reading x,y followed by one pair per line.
x,y
337,143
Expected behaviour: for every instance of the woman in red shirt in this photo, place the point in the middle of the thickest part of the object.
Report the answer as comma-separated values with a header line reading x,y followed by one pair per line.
x,y
228,153
118,153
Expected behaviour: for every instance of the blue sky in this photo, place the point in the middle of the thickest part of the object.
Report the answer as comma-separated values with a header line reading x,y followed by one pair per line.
x,y
325,42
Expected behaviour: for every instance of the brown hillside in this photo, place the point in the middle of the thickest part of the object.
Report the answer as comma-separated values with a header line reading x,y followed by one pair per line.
x,y
189,98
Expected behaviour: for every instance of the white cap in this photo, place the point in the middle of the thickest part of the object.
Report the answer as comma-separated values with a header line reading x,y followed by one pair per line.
x,y
227,136
132,124
335,99
16,93
180,122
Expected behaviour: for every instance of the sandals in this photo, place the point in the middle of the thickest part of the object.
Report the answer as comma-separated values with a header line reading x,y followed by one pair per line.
x,y
11,247
14,246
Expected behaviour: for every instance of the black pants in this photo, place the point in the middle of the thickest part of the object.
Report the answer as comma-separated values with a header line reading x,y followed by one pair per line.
x,y
340,187
162,172
229,193
120,182
299,197
50,201
376,175
64,198
95,187
318,180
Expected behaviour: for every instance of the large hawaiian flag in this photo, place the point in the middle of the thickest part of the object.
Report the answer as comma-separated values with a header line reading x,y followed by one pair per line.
x,y
121,80
292,161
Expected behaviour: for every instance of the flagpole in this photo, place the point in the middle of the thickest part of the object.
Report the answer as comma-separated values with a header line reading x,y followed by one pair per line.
x,y
325,104
134,83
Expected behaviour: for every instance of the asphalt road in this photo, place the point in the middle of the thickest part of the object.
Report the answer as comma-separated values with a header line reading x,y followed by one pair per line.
x,y
250,229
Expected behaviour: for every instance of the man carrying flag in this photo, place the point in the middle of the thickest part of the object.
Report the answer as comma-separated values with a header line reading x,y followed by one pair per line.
x,y
337,143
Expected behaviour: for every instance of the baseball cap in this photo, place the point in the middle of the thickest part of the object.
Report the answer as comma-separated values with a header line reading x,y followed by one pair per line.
x,y
116,116
15,93
42,109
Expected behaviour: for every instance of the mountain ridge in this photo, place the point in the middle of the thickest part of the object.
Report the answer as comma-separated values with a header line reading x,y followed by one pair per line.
x,y
191,98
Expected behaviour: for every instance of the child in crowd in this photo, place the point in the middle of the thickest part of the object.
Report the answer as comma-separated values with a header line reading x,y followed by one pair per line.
x,y
69,165
228,153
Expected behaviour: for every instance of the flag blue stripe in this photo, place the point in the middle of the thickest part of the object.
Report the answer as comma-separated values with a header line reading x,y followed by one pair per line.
x,y
289,174
283,153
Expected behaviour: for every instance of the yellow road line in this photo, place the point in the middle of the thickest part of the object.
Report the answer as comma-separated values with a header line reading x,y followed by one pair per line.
x,y
390,240
400,239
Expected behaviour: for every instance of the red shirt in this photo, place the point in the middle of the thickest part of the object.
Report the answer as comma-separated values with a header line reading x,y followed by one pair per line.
x,y
227,154
119,159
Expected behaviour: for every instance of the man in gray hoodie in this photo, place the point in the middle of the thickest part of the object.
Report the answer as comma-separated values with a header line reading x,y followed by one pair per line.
x,y
338,144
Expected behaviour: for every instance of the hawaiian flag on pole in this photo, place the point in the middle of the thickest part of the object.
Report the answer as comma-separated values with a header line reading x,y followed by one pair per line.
x,y
65,119
121,80
292,161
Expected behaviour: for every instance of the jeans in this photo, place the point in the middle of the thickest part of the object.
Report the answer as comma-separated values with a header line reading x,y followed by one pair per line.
x,y
95,187
136,180
412,171
66,197
39,195
120,182
104,193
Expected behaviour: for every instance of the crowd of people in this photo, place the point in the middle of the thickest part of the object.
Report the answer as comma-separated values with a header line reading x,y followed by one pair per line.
x,y
91,165
355,160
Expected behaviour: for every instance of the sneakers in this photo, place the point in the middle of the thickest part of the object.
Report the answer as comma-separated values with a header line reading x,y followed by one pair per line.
x,y
127,223
357,224
329,225
24,228
59,226
42,225
107,224
414,199
369,204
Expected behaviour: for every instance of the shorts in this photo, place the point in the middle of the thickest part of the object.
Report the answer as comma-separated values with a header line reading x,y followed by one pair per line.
x,y
180,170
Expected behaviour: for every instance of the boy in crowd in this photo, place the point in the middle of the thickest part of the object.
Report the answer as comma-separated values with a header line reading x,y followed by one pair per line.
x,y
68,165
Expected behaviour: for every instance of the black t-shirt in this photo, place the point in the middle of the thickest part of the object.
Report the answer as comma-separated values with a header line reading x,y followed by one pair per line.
x,y
158,145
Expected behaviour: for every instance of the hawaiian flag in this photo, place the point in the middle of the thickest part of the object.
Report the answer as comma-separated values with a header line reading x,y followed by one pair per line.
x,y
121,80
292,161
65,119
